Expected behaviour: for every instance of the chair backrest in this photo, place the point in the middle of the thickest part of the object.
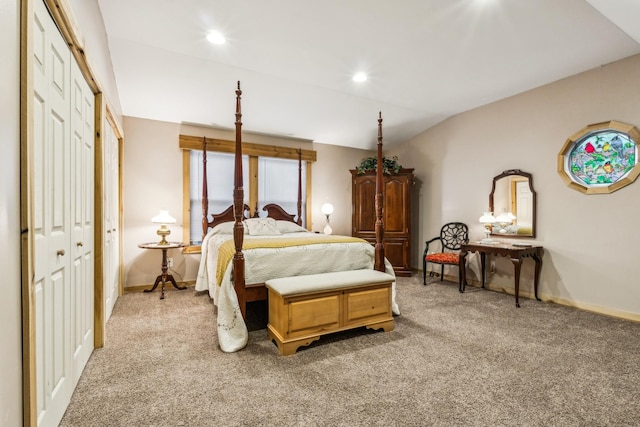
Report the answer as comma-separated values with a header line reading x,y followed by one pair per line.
x,y
453,235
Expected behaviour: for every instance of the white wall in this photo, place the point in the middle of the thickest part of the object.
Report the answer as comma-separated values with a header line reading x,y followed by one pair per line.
x,y
332,184
591,255
89,18
10,313
152,180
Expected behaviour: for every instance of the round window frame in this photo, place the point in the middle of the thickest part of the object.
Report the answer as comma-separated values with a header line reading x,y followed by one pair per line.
x,y
564,168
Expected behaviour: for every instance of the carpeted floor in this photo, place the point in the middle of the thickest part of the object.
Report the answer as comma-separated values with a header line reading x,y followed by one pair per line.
x,y
470,359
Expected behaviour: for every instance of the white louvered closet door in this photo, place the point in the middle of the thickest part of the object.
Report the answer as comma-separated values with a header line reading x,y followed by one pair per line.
x,y
62,221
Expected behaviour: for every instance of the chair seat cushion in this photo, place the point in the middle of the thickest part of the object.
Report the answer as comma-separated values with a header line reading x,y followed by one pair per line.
x,y
443,258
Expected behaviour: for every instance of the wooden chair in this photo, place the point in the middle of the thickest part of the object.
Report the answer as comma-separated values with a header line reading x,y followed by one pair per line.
x,y
452,236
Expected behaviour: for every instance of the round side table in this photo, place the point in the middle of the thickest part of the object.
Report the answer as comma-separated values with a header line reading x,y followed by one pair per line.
x,y
164,277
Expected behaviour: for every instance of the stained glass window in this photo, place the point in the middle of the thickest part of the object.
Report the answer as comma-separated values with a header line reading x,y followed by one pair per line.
x,y
601,158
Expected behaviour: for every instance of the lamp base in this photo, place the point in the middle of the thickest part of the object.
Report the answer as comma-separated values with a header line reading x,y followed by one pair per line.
x,y
489,242
163,232
327,229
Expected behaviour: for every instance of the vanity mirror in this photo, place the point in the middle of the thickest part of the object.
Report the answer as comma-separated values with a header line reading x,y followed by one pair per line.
x,y
513,203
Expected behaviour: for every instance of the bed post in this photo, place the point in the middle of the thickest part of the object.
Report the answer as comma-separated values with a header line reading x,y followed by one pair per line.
x,y
299,222
205,190
238,212
379,226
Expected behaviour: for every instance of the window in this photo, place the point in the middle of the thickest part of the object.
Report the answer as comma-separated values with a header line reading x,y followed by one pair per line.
x,y
219,187
277,183
270,175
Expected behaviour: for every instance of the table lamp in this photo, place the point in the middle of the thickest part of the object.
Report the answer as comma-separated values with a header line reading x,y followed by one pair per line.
x,y
163,218
487,219
504,220
327,210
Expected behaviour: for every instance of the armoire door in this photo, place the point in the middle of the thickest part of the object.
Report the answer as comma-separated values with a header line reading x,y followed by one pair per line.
x,y
396,214
364,211
397,202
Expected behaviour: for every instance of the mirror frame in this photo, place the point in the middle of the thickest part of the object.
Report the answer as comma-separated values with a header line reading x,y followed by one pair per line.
x,y
516,172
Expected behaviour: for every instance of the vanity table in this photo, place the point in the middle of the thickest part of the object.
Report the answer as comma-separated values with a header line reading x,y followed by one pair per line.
x,y
516,252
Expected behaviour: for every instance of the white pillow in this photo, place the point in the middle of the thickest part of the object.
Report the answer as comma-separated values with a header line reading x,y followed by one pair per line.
x,y
226,228
262,226
288,227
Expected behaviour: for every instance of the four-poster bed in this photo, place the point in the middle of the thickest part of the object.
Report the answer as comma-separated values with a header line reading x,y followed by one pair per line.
x,y
240,252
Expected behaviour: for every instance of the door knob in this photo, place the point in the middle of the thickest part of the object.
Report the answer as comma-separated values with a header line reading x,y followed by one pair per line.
x,y
60,252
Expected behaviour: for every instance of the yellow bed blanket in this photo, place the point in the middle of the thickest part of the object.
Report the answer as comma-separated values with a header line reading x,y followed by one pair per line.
x,y
227,249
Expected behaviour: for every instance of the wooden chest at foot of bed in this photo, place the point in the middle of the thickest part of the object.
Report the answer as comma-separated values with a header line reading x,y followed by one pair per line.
x,y
303,308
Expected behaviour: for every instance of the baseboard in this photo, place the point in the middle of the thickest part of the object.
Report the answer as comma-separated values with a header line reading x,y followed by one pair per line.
x,y
594,308
167,286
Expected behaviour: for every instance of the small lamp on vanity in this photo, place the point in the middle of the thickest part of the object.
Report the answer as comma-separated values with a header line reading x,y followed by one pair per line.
x,y
487,220
504,220
163,218
327,210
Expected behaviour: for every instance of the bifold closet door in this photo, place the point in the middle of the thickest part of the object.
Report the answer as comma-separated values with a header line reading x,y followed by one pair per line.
x,y
62,220
52,155
111,254
82,218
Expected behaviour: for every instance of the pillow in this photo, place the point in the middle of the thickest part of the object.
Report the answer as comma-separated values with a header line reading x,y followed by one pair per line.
x,y
225,228
288,227
261,226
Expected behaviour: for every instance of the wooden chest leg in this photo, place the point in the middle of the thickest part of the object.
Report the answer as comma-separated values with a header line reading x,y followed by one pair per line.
x,y
386,326
289,347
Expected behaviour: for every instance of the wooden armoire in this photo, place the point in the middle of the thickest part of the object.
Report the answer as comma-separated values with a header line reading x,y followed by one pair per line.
x,y
396,214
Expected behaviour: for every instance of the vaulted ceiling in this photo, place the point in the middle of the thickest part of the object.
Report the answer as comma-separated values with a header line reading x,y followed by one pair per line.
x,y
426,60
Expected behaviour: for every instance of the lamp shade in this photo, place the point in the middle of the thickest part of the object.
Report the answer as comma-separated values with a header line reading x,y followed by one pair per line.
x,y
163,218
504,218
487,218
327,209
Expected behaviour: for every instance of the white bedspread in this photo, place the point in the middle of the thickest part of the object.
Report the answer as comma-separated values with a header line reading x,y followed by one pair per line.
x,y
263,264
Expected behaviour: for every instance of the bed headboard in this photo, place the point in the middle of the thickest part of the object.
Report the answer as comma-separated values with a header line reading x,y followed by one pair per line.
x,y
225,216
278,213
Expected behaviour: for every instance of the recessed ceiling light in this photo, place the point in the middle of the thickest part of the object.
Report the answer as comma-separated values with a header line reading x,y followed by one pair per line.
x,y
216,38
359,77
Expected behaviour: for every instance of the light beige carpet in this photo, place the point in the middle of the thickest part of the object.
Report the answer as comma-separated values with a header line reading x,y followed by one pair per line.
x,y
470,359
